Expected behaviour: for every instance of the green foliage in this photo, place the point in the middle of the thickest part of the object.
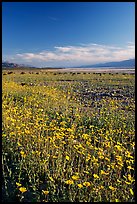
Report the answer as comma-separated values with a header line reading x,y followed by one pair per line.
x,y
68,137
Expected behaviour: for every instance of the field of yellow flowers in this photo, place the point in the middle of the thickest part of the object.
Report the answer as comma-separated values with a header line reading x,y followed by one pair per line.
x,y
68,137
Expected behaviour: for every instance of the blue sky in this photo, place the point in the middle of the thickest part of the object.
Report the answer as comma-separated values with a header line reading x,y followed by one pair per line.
x,y
67,33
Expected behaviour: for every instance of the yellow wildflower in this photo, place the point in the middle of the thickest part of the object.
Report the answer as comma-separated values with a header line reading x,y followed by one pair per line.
x,y
107,159
101,157
116,200
67,158
119,158
128,154
27,131
22,189
129,167
101,187
94,159
103,172
118,147
23,154
80,185
86,184
131,191
87,159
69,182
112,188
127,182
95,176
45,192
51,178
86,172
18,144
130,178
119,181
55,157
75,177
18,184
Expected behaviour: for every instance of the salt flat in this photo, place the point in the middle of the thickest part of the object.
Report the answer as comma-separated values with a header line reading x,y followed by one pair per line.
x,y
97,70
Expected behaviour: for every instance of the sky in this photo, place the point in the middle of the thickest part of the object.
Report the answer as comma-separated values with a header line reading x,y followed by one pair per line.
x,y
67,34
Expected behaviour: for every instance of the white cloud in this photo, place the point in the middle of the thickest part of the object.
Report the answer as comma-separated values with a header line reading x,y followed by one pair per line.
x,y
78,55
52,18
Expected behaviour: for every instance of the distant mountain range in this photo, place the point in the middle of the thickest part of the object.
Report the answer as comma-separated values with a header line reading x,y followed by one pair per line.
x,y
120,64
7,64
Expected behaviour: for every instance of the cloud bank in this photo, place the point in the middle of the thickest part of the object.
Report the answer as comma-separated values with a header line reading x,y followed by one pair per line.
x,y
83,54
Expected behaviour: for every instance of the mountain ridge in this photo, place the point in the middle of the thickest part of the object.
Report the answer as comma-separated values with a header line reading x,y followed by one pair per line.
x,y
130,63
6,64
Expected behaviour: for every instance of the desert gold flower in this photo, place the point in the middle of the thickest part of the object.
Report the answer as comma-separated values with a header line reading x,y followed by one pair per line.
x,y
129,167
119,158
80,185
128,183
128,154
69,182
87,159
112,188
55,157
101,157
22,189
118,147
131,191
18,184
94,159
51,178
86,184
23,154
86,172
119,181
75,177
95,176
45,192
27,131
67,158
18,144
116,200
104,173
107,159
130,178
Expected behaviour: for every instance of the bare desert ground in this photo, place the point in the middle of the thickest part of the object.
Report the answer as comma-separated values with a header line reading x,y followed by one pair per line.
x,y
97,70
